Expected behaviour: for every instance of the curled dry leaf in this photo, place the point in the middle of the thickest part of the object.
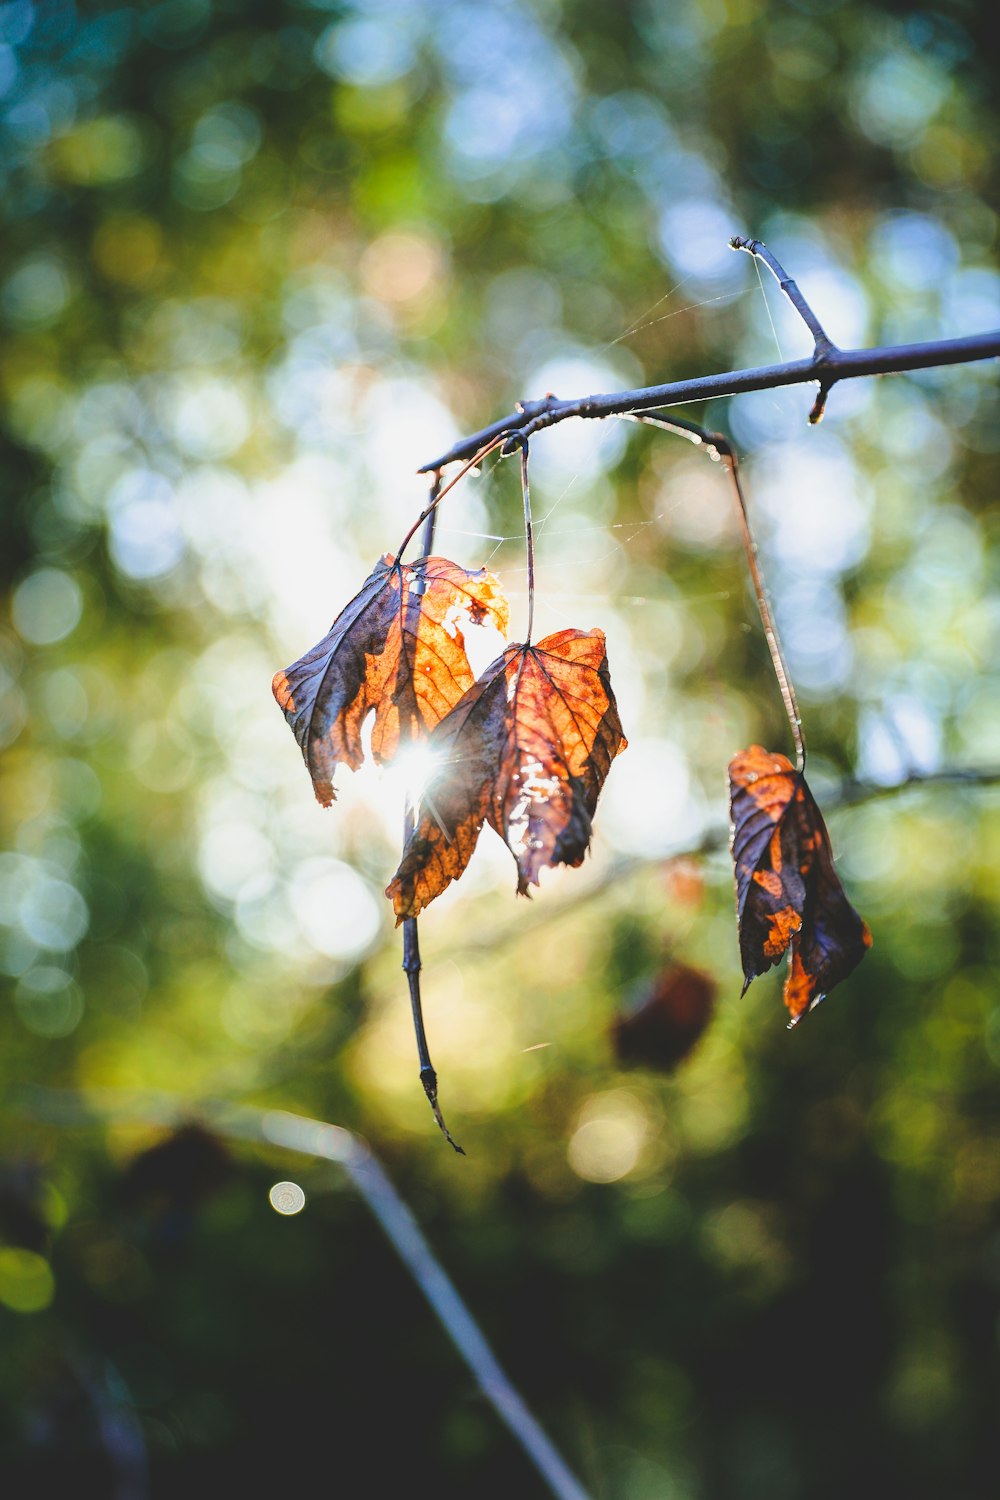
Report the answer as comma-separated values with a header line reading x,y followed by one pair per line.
x,y
527,748
664,1028
788,893
396,648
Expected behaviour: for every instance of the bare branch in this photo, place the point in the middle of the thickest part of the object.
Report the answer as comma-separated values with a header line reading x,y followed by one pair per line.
x,y
828,365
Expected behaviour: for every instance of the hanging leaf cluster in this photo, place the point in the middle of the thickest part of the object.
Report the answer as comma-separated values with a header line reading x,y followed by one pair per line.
x,y
526,748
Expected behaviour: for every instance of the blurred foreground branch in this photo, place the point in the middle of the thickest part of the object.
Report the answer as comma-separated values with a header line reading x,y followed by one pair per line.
x,y
334,1144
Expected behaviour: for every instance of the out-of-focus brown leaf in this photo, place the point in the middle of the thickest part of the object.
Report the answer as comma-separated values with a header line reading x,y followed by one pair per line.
x,y
187,1167
664,1028
788,893
396,648
528,749
684,879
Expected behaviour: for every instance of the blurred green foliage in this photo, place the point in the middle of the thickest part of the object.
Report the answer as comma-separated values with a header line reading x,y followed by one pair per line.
x,y
258,263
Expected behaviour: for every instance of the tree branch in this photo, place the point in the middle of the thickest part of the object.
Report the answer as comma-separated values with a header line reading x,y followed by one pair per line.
x,y
826,367
334,1144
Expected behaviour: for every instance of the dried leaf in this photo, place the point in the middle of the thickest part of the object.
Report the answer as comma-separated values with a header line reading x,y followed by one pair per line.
x,y
684,880
528,749
788,893
665,1027
396,648
187,1167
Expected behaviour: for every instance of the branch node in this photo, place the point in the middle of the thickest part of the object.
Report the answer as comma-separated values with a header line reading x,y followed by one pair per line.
x,y
514,442
819,405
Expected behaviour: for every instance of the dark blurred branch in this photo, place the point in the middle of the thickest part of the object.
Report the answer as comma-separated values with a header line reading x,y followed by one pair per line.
x,y
850,793
119,1427
332,1143
826,367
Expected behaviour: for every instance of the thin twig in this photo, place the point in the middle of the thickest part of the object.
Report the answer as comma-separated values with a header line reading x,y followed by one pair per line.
x,y
720,447
411,937
823,345
334,1144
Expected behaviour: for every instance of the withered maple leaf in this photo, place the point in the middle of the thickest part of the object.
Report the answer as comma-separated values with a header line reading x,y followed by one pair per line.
x,y
397,648
528,748
788,894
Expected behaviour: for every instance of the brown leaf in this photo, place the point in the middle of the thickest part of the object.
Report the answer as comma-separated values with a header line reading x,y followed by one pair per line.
x,y
665,1027
788,893
528,749
188,1166
396,648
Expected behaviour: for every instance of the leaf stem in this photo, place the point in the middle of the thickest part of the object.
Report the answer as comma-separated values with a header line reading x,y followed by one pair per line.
x,y
721,449
438,494
528,539
411,937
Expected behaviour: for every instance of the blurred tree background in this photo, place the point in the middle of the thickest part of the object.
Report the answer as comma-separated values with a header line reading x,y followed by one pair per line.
x,y
259,262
